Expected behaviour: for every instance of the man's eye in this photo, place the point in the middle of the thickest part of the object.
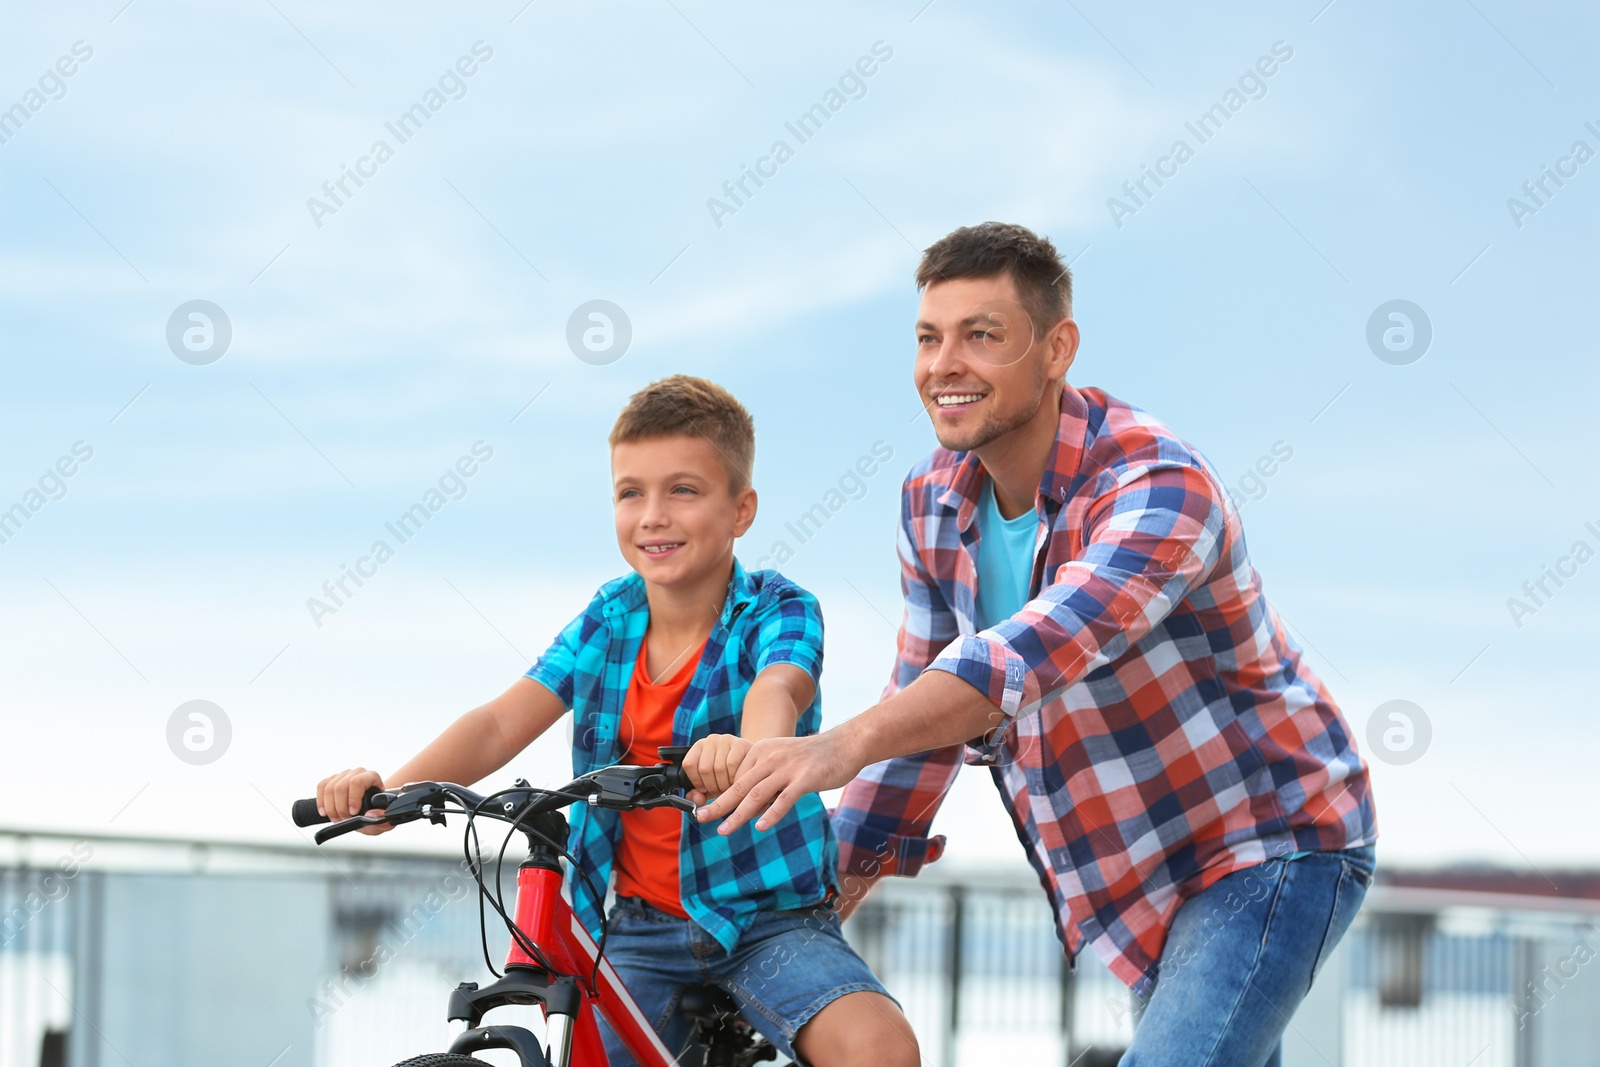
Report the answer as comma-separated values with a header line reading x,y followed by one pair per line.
x,y
987,335
927,339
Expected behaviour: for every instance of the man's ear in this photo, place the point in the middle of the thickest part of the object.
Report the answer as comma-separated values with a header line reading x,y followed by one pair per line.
x,y
1061,349
744,510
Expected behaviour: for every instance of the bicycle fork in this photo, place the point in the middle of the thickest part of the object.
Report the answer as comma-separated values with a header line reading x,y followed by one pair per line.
x,y
526,981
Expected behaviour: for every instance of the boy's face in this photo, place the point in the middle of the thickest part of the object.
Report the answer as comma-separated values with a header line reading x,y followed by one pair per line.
x,y
676,513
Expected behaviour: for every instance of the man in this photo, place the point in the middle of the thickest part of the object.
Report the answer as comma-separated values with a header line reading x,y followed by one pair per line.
x,y
1081,615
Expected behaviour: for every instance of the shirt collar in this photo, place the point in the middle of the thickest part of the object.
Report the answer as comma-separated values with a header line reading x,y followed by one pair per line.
x,y
629,596
1060,472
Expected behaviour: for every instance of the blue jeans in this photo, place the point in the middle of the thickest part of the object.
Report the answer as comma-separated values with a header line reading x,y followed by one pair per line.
x,y
787,967
1241,956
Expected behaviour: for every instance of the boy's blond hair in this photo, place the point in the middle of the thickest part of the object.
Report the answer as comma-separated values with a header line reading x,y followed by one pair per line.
x,y
683,404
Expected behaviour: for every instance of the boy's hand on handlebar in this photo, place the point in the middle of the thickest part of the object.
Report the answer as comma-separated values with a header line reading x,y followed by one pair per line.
x,y
713,763
339,796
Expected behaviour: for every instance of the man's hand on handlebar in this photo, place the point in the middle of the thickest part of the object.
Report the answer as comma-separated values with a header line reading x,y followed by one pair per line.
x,y
777,772
339,797
713,763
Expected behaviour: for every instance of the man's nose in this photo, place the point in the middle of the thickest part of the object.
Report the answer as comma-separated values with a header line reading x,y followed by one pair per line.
x,y
947,361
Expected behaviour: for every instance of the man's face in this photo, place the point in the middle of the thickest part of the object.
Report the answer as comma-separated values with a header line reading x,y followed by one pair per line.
x,y
981,362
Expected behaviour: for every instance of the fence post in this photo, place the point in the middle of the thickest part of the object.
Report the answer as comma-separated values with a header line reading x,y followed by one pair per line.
x,y
1068,997
953,965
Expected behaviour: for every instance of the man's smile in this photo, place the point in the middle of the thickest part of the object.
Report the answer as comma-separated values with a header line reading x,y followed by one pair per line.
x,y
957,400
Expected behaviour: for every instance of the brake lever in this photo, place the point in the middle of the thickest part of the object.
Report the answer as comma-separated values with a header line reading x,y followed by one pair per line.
x,y
328,833
669,800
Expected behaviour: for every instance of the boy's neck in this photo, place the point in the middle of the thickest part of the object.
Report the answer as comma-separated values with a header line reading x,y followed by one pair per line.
x,y
688,612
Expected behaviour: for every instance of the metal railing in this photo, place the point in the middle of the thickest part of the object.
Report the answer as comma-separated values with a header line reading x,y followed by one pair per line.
x,y
1423,978
170,953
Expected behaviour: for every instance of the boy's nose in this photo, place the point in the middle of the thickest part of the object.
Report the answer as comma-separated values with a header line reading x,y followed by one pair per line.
x,y
654,515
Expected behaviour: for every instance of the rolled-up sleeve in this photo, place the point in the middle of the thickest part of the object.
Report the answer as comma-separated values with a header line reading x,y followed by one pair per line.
x,y
789,630
885,817
1150,539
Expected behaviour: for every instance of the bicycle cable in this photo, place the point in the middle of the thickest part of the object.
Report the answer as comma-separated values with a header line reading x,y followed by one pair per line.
x,y
572,863
511,925
498,899
605,926
472,854
477,876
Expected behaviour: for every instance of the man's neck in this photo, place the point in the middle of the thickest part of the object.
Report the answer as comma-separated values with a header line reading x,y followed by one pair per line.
x,y
1016,460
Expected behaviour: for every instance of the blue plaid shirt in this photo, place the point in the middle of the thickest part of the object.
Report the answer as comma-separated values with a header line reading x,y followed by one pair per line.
x,y
724,881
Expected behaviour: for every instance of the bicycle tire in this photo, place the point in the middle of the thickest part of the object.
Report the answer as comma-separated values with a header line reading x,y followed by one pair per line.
x,y
444,1059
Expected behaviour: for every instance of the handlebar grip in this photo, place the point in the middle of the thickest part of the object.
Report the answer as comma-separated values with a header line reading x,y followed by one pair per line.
x,y
674,754
304,812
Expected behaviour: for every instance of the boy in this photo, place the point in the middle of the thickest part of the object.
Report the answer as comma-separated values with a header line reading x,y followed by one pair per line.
x,y
688,649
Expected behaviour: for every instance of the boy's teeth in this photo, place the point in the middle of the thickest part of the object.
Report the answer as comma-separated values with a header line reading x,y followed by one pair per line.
x,y
657,549
963,398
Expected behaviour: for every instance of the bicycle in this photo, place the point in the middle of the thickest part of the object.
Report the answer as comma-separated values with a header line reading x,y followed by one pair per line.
x,y
553,962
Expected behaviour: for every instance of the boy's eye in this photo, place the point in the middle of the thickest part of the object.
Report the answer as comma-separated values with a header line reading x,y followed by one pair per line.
x,y
627,493
683,489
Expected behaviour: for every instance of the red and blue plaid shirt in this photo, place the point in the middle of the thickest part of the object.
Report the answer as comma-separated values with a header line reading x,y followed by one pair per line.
x,y
1160,730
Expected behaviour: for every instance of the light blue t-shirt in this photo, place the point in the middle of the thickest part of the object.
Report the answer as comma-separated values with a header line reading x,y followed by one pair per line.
x,y
1005,559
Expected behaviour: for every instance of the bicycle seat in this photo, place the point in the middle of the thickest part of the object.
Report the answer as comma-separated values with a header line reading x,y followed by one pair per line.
x,y
708,1003
726,1038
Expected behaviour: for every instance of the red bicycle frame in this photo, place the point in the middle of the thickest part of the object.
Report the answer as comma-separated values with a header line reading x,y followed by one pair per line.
x,y
544,915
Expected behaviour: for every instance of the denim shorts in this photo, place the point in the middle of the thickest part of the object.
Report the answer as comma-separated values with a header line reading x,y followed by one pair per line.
x,y
787,967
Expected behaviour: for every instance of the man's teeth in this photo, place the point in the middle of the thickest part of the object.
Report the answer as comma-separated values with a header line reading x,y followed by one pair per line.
x,y
658,549
951,399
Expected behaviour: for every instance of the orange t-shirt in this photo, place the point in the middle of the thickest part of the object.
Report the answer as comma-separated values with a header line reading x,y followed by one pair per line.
x,y
647,854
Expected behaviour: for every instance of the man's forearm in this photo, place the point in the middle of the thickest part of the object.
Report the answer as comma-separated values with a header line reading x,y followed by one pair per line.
x,y
935,711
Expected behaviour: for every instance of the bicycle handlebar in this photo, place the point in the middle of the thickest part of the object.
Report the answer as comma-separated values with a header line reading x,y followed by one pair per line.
x,y
304,812
621,787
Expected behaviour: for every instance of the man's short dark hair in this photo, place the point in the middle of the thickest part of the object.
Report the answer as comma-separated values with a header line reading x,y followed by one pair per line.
x,y
990,249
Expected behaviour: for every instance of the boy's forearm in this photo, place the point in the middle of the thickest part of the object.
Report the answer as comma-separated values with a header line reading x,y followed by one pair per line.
x,y
772,706
469,749
485,738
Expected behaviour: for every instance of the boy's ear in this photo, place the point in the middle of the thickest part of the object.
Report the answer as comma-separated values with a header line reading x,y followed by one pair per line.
x,y
744,510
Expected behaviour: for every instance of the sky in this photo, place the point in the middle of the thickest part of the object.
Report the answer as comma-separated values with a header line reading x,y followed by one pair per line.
x,y
1408,473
